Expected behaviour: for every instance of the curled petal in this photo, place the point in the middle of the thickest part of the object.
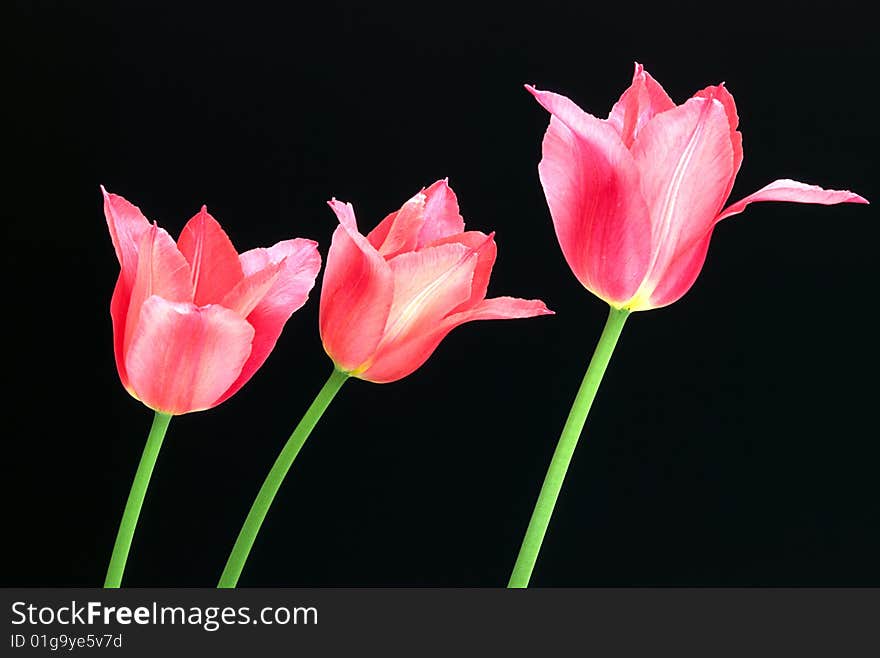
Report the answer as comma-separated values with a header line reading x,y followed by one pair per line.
x,y
356,294
504,308
791,190
685,268
642,100
213,259
405,356
291,266
183,357
592,188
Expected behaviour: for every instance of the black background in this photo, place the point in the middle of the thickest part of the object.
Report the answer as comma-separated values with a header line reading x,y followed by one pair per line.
x,y
733,441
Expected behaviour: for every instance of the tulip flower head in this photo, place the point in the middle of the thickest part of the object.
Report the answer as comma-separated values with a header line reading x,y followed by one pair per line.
x,y
390,297
635,197
194,320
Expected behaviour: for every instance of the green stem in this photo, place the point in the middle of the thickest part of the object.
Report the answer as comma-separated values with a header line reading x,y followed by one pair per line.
x,y
531,546
136,500
247,535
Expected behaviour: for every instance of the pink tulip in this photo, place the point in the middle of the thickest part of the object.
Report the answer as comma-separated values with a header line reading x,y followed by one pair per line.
x,y
634,197
389,298
193,321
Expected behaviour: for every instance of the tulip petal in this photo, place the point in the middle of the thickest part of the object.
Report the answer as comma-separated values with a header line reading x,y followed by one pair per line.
x,y
642,100
118,312
127,226
506,308
430,215
213,259
249,292
405,356
592,188
685,161
292,266
442,217
399,231
791,190
686,266
301,264
720,93
484,246
163,271
680,276
428,285
183,357
356,293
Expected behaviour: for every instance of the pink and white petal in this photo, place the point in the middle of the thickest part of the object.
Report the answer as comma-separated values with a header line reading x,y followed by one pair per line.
x,y
127,225
399,231
428,285
484,246
791,190
162,270
213,259
641,101
442,217
720,93
297,263
405,356
685,162
356,294
592,189
183,357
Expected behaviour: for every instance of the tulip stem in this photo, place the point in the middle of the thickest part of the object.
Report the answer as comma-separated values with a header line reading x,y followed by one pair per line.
x,y
531,546
247,535
136,500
